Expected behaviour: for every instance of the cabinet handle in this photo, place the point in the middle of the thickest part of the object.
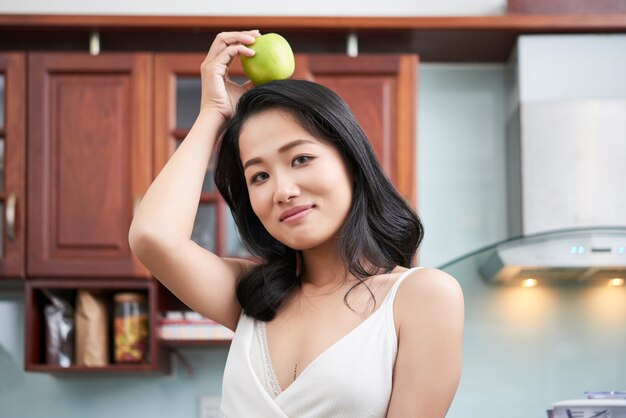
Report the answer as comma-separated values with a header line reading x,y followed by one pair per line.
x,y
10,216
136,205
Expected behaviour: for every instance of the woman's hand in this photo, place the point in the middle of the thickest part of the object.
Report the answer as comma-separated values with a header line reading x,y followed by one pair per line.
x,y
219,93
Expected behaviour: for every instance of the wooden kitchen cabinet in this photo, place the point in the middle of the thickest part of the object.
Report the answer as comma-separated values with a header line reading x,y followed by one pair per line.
x,y
89,162
12,164
89,147
35,301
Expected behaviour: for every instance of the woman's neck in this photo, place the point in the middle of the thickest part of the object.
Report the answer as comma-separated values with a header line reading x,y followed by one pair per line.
x,y
323,269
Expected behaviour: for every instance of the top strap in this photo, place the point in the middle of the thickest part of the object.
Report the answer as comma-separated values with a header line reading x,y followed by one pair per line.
x,y
391,295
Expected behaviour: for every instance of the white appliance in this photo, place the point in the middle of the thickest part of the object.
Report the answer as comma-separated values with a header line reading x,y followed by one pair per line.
x,y
589,408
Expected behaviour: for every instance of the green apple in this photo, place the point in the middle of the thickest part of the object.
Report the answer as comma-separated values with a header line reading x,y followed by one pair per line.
x,y
273,59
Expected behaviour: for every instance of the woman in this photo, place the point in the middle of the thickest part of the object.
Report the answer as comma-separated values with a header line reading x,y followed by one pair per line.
x,y
322,326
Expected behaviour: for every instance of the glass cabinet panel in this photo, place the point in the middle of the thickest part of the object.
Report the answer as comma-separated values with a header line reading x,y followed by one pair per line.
x,y
208,185
188,94
2,127
1,165
204,227
2,110
234,246
2,230
1,101
205,231
238,79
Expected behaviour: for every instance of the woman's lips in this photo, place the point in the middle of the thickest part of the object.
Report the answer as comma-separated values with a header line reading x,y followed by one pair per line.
x,y
299,215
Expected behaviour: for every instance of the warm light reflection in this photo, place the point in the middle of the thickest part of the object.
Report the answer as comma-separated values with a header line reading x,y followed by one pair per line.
x,y
529,283
524,309
616,282
605,307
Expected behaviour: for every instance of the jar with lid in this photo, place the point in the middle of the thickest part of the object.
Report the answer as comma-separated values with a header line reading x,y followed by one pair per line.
x,y
130,328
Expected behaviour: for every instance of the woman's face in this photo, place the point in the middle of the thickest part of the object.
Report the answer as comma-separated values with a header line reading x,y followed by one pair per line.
x,y
299,186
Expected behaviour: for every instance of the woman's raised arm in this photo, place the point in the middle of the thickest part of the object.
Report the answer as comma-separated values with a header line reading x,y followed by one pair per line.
x,y
160,233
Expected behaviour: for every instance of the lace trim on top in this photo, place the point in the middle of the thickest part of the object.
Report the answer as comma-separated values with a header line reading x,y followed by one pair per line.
x,y
269,369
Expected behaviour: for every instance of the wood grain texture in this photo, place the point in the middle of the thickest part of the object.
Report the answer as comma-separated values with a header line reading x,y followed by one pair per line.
x,y
510,21
13,68
407,138
434,39
88,158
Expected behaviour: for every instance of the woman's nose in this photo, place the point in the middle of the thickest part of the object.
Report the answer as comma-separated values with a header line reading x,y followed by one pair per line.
x,y
286,189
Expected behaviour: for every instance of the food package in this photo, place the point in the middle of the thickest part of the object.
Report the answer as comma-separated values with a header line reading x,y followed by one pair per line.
x,y
92,338
59,317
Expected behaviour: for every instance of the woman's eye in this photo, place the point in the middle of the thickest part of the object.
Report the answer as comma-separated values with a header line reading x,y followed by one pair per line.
x,y
258,177
301,159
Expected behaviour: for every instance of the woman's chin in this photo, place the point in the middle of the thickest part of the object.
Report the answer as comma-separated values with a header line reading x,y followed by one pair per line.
x,y
306,244
302,246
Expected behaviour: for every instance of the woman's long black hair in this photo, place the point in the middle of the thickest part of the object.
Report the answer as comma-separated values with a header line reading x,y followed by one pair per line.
x,y
380,231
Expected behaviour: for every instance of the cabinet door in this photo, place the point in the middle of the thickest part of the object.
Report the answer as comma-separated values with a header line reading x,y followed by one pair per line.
x,y
380,89
12,164
89,149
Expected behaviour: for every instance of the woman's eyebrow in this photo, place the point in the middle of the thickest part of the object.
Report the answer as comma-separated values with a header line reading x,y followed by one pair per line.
x,y
281,150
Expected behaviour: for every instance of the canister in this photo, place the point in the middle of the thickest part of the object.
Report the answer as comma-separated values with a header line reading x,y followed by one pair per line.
x,y
131,328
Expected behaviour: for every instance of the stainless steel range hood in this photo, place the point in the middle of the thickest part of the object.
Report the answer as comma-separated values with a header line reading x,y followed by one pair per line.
x,y
577,256
566,161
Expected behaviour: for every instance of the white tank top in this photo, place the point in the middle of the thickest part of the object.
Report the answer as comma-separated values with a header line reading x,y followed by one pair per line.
x,y
351,378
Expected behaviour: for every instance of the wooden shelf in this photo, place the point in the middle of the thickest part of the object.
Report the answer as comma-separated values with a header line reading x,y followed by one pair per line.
x,y
112,368
34,302
434,39
521,22
194,343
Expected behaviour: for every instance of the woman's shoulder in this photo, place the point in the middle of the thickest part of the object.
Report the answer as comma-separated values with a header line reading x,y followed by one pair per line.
x,y
429,277
426,292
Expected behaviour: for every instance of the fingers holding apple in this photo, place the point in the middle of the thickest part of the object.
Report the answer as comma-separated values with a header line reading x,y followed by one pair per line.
x,y
219,93
224,39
